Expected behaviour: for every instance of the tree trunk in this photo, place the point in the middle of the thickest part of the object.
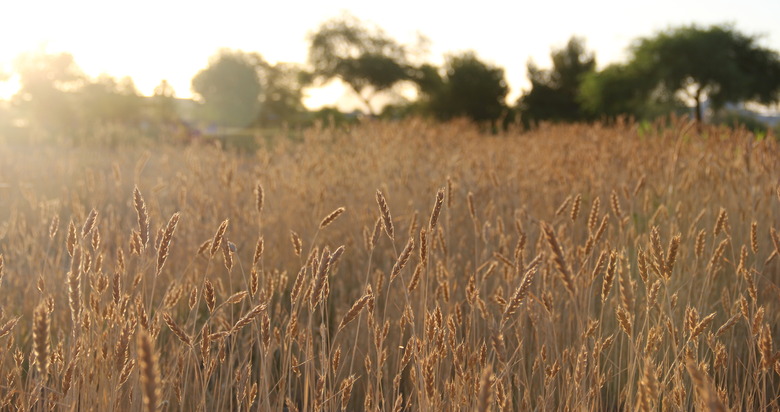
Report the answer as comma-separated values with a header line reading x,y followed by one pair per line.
x,y
366,101
698,107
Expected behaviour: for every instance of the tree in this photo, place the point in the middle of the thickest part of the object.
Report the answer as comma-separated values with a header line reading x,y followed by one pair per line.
x,y
617,90
46,80
716,64
363,57
241,89
428,80
554,93
163,104
106,100
282,100
230,88
469,88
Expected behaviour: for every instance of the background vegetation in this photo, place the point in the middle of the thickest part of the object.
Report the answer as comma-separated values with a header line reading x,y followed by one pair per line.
x,y
706,72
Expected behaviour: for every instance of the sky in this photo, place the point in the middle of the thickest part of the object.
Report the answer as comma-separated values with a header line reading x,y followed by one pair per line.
x,y
152,40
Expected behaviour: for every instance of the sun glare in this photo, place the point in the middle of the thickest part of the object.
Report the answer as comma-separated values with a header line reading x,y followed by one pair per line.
x,y
151,41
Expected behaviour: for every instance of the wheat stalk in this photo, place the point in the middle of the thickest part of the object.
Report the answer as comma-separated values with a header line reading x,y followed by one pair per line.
x,y
624,319
330,218
40,329
321,277
593,216
259,248
385,212
575,208
346,391
403,258
415,280
246,319
178,331
559,257
562,208
520,293
436,209
54,226
71,240
485,390
259,198
217,240
609,276
74,287
143,216
89,223
615,203
165,243
296,242
208,294
150,373
721,223
8,327
355,310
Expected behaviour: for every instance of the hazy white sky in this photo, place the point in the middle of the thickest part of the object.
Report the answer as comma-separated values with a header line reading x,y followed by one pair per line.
x,y
151,40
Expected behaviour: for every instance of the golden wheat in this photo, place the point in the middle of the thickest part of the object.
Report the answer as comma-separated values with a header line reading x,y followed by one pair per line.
x,y
511,304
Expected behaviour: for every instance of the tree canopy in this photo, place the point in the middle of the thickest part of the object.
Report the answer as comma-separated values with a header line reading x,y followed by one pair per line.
x,y
163,103
669,71
363,57
282,97
469,88
554,93
230,88
240,89
716,64
106,100
617,90
45,81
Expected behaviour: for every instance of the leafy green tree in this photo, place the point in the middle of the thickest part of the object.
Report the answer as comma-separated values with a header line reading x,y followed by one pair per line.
x,y
554,93
469,88
282,100
163,104
46,80
474,88
716,64
428,79
241,89
108,101
621,90
614,91
363,57
230,88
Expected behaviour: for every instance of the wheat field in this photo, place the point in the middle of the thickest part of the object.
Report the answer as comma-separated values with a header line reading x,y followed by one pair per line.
x,y
396,267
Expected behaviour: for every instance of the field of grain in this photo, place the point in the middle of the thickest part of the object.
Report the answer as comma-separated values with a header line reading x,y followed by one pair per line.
x,y
395,267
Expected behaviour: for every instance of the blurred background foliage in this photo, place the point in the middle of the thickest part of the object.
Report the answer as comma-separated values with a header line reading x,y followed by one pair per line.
x,y
707,73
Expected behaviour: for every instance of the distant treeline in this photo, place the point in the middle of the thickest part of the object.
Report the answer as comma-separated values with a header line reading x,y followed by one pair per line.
x,y
689,69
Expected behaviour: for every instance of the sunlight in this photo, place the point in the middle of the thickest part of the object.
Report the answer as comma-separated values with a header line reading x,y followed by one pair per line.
x,y
146,41
151,41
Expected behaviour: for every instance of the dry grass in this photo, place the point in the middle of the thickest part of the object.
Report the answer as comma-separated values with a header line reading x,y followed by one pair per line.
x,y
408,266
